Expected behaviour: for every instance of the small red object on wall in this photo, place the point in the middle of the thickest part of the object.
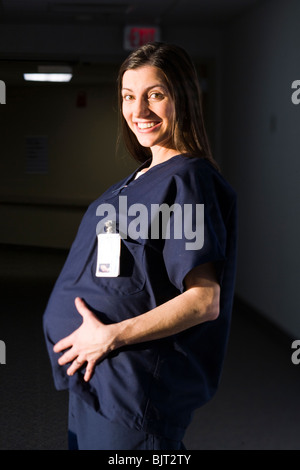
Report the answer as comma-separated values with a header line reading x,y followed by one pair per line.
x,y
136,36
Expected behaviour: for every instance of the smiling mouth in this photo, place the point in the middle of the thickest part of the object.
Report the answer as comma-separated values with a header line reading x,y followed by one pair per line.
x,y
146,125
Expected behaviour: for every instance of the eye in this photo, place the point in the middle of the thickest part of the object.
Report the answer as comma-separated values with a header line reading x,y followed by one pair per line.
x,y
127,97
156,95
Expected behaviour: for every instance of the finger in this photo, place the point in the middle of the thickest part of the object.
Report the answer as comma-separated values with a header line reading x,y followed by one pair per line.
x,y
63,344
75,366
81,307
89,371
67,357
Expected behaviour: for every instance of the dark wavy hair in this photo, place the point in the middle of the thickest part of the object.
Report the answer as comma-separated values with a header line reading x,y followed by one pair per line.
x,y
189,134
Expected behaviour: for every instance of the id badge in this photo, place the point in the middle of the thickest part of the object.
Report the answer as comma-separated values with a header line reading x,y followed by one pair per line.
x,y
108,256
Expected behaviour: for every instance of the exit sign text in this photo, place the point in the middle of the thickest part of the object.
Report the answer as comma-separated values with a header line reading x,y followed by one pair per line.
x,y
136,36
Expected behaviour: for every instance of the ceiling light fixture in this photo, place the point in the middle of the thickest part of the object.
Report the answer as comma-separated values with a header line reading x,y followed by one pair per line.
x,y
50,73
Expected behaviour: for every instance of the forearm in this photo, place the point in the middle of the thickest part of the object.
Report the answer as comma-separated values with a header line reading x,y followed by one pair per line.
x,y
178,314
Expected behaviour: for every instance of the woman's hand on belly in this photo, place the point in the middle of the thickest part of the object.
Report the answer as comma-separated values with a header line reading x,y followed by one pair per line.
x,y
87,345
93,340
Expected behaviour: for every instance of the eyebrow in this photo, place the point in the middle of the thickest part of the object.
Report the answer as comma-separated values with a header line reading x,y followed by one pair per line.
x,y
148,88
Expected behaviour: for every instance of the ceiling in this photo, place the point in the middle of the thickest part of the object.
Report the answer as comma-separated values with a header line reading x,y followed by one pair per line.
x,y
202,12
31,30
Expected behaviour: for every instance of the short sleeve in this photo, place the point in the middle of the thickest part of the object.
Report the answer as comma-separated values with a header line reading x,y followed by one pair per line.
x,y
199,224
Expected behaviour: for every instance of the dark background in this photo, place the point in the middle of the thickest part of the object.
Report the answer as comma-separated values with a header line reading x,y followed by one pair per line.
x,y
247,56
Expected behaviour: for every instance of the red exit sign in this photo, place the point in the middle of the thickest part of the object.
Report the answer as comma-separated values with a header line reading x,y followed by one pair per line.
x,y
136,36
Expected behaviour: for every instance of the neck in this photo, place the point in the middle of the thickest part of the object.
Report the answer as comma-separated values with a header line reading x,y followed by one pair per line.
x,y
161,154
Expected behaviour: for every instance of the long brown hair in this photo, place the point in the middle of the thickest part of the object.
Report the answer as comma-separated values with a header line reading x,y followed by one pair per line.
x,y
189,134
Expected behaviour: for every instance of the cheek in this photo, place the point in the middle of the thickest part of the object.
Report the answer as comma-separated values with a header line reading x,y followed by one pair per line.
x,y
170,113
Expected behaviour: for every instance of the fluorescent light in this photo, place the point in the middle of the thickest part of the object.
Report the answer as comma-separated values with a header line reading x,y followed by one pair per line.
x,y
50,73
48,77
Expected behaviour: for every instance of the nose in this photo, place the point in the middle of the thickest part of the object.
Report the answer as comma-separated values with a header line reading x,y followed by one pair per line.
x,y
141,108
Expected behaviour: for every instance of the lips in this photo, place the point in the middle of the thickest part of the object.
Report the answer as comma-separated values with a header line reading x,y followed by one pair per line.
x,y
142,126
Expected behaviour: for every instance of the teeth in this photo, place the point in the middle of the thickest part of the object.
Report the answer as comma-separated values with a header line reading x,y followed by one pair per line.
x,y
145,125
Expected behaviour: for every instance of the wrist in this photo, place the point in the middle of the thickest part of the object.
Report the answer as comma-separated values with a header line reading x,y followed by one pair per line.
x,y
118,335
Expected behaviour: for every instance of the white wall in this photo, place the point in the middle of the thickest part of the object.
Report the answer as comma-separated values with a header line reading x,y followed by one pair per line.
x,y
261,143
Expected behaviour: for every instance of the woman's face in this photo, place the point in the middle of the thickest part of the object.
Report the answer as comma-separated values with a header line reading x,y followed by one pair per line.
x,y
148,107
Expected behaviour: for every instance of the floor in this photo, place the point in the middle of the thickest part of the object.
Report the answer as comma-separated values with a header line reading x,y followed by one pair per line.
x,y
255,408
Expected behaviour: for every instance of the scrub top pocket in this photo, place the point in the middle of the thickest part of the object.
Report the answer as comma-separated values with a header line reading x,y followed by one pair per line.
x,y
132,274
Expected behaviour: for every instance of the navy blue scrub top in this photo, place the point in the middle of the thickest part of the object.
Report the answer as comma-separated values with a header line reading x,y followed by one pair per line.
x,y
153,386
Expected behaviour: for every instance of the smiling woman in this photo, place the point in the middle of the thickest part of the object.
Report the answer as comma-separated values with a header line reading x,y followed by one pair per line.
x,y
178,83
141,349
149,110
